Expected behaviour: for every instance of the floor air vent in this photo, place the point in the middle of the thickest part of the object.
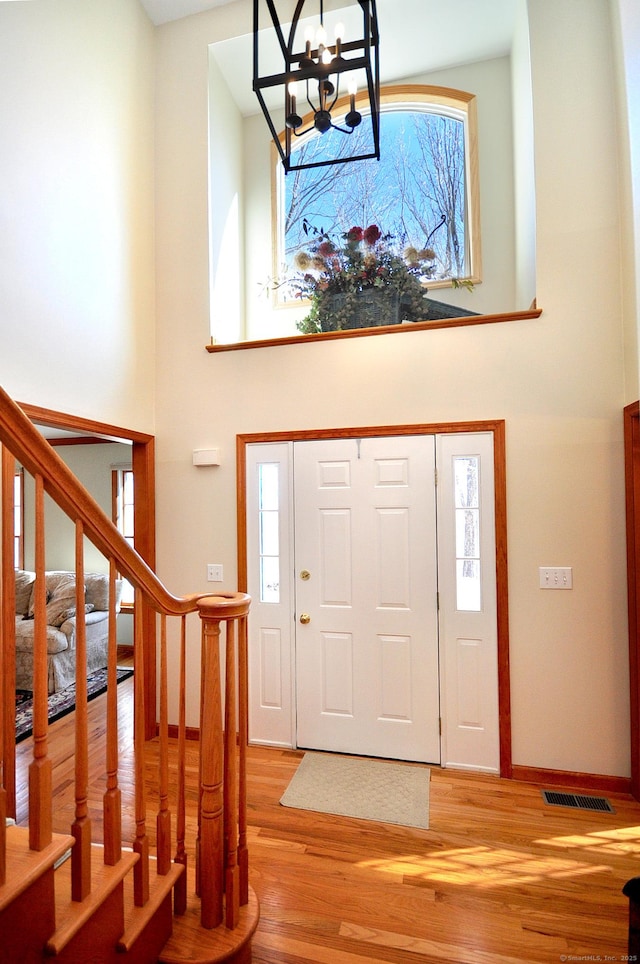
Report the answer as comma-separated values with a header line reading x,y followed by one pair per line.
x,y
577,801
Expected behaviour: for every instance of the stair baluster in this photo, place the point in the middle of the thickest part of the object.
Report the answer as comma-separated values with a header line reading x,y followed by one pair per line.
x,y
230,783
3,792
180,891
141,842
81,827
112,799
243,739
3,819
6,529
7,635
40,802
163,821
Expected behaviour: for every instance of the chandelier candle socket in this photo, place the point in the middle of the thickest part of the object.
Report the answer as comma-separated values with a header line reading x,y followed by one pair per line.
x,y
315,74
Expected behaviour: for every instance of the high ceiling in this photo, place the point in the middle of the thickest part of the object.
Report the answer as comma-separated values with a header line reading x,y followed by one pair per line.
x,y
162,11
415,36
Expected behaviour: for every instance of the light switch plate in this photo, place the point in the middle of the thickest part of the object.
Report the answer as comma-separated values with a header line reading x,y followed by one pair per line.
x,y
556,577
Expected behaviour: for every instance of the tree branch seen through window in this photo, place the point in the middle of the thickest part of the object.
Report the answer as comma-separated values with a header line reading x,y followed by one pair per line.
x,y
418,192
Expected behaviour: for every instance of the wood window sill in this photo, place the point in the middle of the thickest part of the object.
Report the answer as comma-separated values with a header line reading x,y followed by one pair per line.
x,y
465,322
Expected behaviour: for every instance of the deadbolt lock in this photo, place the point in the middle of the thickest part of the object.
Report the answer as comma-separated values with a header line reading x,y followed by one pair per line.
x,y
305,574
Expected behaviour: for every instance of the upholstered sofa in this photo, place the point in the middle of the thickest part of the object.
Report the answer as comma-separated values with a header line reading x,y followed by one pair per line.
x,y
61,625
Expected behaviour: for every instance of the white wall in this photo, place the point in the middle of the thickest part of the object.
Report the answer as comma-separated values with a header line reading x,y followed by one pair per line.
x,y
76,208
557,381
626,23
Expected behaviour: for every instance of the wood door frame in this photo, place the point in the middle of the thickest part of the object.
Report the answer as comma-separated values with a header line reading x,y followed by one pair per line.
x,y
143,464
632,503
497,428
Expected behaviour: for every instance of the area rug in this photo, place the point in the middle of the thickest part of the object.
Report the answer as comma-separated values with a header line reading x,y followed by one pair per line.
x,y
357,787
60,703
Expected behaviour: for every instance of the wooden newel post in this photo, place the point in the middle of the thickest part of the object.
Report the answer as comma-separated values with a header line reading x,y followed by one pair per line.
x,y
218,811
632,890
211,751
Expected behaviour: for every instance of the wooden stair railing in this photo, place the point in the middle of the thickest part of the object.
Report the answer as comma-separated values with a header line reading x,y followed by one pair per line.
x,y
217,914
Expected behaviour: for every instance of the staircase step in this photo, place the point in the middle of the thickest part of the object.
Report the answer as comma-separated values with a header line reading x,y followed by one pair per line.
x,y
137,919
24,866
72,916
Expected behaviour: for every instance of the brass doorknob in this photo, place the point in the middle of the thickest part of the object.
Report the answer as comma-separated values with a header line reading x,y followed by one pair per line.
x,y
305,618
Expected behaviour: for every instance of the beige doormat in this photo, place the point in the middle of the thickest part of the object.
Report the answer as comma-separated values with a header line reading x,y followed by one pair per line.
x,y
356,787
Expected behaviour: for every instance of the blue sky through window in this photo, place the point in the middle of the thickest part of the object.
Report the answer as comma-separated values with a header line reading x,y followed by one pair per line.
x,y
416,189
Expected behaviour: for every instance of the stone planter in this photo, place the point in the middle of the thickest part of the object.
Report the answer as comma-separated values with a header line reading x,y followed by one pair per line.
x,y
369,308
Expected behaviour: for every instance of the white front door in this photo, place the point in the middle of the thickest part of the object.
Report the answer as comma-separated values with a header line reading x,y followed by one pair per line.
x,y
366,597
362,674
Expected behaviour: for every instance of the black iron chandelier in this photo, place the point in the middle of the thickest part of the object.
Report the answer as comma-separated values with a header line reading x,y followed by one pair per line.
x,y
312,74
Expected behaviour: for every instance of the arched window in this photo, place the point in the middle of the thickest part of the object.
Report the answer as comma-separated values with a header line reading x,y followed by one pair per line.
x,y
423,192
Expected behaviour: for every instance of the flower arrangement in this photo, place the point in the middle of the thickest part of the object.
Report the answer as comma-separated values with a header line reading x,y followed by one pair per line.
x,y
333,276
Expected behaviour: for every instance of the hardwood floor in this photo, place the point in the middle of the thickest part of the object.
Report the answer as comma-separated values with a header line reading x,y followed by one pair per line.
x,y
499,878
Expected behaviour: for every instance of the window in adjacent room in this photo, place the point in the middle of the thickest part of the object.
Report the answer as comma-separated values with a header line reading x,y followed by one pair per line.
x,y
122,489
18,519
